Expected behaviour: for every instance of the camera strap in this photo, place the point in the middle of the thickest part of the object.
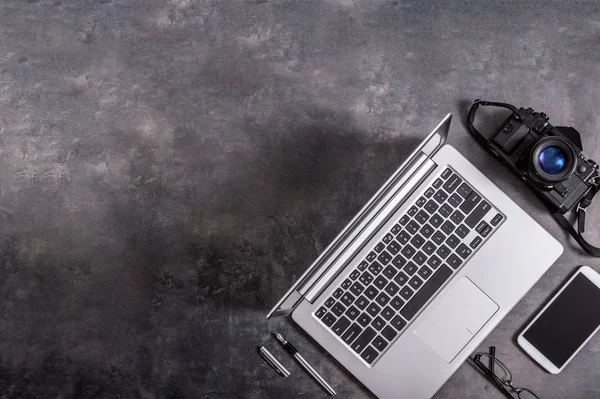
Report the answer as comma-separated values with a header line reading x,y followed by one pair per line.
x,y
578,234
560,218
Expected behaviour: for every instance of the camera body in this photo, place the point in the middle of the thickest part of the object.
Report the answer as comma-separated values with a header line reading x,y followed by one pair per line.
x,y
548,158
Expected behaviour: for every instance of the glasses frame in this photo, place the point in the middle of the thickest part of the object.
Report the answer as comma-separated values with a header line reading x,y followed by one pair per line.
x,y
497,381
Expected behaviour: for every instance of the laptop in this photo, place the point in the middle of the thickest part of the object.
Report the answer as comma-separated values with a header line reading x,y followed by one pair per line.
x,y
421,275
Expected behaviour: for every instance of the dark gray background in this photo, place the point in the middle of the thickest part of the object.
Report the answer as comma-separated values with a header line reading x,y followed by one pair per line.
x,y
170,168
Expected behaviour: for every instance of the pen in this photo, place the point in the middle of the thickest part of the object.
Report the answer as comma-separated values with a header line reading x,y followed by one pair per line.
x,y
273,362
294,352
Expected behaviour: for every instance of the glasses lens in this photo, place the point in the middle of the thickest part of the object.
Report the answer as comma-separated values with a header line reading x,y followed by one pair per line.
x,y
527,394
552,160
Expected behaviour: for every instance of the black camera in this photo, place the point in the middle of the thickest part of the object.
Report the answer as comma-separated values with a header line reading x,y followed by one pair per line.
x,y
549,158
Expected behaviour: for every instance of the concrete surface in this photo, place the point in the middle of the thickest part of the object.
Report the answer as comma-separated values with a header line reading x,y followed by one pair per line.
x,y
169,169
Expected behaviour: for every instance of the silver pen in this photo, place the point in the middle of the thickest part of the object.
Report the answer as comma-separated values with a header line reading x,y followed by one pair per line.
x,y
273,362
294,352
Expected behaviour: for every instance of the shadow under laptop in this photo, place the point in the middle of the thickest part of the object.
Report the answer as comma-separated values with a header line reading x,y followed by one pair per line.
x,y
305,184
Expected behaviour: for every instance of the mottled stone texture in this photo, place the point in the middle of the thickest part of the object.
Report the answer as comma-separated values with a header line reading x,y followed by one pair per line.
x,y
169,168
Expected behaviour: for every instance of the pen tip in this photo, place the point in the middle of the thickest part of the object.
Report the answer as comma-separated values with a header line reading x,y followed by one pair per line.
x,y
279,337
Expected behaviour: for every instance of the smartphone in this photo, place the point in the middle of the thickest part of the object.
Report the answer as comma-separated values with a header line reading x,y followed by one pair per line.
x,y
566,323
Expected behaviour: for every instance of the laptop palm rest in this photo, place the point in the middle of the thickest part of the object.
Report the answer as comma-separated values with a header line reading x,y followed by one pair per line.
x,y
452,323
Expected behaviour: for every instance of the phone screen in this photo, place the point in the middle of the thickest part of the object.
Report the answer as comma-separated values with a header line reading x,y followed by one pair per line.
x,y
565,325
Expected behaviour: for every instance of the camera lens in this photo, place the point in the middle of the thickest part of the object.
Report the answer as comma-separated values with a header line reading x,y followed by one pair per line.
x,y
552,160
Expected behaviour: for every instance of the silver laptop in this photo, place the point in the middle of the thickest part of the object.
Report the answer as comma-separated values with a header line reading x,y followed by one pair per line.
x,y
421,275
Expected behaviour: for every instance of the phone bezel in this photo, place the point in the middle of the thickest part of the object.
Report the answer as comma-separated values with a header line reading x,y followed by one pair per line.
x,y
532,351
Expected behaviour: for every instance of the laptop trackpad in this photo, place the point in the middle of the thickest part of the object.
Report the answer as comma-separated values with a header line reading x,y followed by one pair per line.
x,y
454,321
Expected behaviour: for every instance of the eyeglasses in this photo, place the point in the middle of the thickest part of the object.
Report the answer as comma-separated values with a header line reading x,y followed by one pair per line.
x,y
501,376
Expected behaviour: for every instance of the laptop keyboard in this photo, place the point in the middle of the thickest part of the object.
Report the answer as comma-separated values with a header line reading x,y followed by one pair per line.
x,y
433,239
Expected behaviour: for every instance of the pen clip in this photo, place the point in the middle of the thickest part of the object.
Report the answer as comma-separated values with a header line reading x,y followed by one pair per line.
x,y
273,362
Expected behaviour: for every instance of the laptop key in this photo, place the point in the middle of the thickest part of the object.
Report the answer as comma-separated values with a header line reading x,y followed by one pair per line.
x,y
375,268
412,227
452,183
373,309
457,217
401,279
443,252
417,241
429,192
486,231
438,278
361,302
347,299
329,319
397,303
396,229
387,313
329,302
406,292
446,173
384,258
448,227
387,238
454,261
403,237
351,333
393,247
392,289
363,340
399,261
379,343
410,268
497,219
338,309
352,313
355,273
446,210
415,282
408,251
412,211
438,237
438,183
455,200
338,293
476,241
419,258
421,201
364,319
426,231
470,202
390,272
440,196
369,355
421,217
452,241
431,206
346,284
371,292
429,248
462,231
425,272
481,226
341,325
434,262
478,214
363,265
371,256
389,333
398,323
464,251
436,220
379,247
464,190
403,220
382,299
380,282
321,312
377,323
365,278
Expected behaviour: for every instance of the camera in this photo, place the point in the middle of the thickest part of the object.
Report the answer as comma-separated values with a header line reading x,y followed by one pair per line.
x,y
548,158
